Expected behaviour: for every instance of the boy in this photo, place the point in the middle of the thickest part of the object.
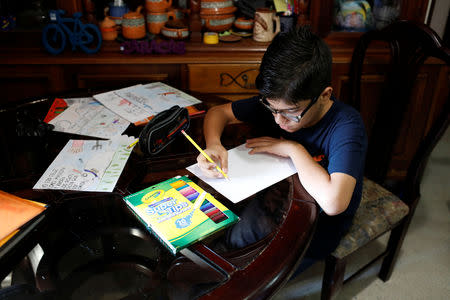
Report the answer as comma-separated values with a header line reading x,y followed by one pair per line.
x,y
304,122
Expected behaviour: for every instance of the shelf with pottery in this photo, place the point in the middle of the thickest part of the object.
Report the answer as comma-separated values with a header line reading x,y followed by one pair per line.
x,y
226,69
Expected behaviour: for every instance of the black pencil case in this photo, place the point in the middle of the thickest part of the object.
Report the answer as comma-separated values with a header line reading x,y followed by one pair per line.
x,y
162,129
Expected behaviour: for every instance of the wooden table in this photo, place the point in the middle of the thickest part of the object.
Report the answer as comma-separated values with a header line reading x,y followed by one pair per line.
x,y
93,244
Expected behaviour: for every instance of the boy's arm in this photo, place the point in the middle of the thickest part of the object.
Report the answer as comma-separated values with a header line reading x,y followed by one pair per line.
x,y
215,121
332,192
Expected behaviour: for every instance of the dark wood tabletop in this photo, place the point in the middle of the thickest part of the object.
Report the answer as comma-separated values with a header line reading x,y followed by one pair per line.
x,y
93,244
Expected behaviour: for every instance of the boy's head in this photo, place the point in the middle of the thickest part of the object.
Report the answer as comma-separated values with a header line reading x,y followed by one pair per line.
x,y
295,67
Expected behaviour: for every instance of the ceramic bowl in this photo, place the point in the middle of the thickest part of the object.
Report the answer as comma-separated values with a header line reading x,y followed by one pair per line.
x,y
217,7
244,23
217,23
175,33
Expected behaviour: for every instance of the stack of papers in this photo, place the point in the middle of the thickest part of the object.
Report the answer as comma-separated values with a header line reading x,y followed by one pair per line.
x,y
138,102
96,165
90,118
109,114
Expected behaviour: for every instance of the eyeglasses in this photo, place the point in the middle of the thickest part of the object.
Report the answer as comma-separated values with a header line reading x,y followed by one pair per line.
x,y
284,113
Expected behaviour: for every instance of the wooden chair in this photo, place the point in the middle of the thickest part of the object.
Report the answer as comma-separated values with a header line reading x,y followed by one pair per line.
x,y
381,210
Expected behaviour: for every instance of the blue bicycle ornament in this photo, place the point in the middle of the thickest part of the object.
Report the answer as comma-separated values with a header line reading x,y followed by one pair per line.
x,y
55,34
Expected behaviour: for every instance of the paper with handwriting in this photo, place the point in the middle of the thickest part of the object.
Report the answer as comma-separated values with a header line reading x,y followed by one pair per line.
x,y
87,165
123,107
89,117
248,174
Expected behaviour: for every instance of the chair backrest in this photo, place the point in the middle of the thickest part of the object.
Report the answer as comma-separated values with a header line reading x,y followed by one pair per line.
x,y
410,44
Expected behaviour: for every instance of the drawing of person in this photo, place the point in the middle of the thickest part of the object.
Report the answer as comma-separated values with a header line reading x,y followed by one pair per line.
x,y
77,146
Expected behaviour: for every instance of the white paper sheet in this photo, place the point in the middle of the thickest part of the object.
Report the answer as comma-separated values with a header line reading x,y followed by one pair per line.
x,y
248,174
90,118
87,165
122,107
156,97
137,103
81,100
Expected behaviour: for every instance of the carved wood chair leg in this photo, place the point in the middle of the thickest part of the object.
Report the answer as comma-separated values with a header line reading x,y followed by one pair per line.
x,y
333,277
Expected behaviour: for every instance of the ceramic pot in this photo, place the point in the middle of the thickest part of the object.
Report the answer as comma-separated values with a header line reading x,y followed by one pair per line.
x,y
157,5
244,23
116,12
108,28
217,7
264,30
175,33
217,23
156,20
133,25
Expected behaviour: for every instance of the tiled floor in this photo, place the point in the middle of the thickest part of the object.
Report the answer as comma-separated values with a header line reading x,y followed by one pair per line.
x,y
423,268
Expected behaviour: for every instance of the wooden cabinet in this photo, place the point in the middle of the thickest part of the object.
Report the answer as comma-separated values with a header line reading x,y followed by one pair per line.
x,y
22,81
18,82
231,81
31,72
114,75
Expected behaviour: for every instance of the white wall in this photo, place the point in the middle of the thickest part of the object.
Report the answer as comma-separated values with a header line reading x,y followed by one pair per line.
x,y
439,16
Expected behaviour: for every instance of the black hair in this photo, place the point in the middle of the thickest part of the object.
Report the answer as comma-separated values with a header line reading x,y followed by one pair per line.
x,y
296,66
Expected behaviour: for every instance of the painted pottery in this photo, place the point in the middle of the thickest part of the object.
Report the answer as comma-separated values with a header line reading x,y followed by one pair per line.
x,y
175,33
217,7
108,28
244,23
156,20
217,23
133,25
157,5
263,30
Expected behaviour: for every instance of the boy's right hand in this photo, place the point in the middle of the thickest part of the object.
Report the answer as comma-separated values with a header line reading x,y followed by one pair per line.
x,y
219,154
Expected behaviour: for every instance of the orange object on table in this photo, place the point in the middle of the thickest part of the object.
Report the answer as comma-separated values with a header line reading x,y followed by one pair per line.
x,y
15,212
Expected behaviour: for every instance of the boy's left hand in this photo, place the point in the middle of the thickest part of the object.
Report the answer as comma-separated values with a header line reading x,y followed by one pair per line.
x,y
271,145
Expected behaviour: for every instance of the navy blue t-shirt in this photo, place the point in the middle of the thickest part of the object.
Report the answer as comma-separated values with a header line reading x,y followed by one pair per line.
x,y
338,141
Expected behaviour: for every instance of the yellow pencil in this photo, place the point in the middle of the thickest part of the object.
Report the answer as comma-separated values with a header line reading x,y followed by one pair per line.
x,y
133,143
204,154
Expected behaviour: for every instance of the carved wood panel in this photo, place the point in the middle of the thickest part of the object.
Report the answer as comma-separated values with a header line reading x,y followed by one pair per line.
x,y
223,78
